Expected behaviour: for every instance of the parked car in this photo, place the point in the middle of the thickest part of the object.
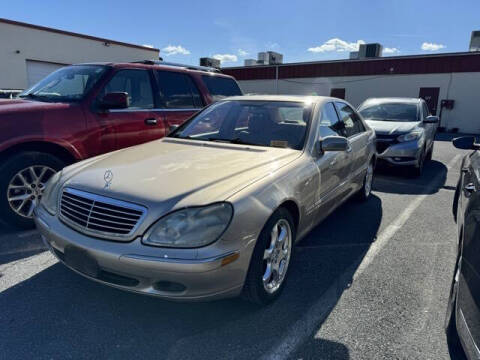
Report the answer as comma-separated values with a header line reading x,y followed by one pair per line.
x,y
85,110
214,209
405,130
463,314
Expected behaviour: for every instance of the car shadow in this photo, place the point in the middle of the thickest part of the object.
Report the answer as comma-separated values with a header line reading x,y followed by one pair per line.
x,y
399,180
59,312
448,137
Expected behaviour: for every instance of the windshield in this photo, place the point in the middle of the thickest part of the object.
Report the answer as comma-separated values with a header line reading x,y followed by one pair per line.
x,y
68,84
390,112
261,123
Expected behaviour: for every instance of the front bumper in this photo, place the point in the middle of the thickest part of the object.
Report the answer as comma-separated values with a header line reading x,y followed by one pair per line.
x,y
132,266
403,154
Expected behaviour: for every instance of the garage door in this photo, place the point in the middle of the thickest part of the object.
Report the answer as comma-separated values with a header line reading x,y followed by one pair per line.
x,y
37,70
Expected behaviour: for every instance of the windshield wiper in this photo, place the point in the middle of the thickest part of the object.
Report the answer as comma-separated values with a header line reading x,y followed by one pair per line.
x,y
233,141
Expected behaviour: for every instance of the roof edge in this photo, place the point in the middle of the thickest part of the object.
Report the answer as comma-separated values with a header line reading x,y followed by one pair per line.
x,y
78,35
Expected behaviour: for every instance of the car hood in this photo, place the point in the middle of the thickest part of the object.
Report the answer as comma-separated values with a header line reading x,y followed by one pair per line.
x,y
392,127
173,173
9,106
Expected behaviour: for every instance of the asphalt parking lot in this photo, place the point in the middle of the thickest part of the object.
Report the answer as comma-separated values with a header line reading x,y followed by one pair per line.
x,y
371,282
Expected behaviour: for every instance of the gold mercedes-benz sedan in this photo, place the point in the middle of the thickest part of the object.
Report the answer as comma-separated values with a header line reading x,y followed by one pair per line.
x,y
214,209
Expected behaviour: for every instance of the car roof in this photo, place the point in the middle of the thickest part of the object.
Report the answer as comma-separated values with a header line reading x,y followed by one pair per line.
x,y
400,100
292,98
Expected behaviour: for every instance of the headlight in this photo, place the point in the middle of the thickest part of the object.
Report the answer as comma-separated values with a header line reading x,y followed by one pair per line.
x,y
414,135
50,194
191,227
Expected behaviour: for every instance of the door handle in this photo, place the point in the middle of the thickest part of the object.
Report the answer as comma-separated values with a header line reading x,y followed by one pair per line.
x,y
333,162
470,188
151,121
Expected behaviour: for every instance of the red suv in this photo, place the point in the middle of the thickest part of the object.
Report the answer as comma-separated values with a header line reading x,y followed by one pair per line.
x,y
85,110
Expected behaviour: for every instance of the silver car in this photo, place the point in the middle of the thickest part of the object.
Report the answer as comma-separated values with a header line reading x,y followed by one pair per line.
x,y
405,130
214,209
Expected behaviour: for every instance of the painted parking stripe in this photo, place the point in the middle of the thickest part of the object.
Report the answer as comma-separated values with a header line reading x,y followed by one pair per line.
x,y
317,313
17,271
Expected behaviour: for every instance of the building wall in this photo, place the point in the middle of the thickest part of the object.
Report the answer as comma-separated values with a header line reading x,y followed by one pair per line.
x,y
464,88
41,45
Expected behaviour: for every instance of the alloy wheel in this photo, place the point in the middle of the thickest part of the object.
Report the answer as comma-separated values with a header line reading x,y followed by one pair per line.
x,y
277,256
26,188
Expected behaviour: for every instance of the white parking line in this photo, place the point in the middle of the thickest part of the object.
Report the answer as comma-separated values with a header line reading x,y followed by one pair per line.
x,y
305,326
17,271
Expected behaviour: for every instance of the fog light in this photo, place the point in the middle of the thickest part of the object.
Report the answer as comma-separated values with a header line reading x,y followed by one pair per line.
x,y
169,286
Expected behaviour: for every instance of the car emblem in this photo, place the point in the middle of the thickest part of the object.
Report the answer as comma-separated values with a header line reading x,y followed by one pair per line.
x,y
108,177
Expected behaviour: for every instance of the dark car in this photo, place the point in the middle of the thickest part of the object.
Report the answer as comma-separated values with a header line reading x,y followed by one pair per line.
x,y
86,110
463,314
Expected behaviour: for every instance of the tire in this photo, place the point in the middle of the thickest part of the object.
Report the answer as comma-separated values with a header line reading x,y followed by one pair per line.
x,y
255,288
417,171
24,188
430,153
364,193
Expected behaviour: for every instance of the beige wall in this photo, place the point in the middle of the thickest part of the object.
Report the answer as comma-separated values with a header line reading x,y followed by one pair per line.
x,y
464,88
47,46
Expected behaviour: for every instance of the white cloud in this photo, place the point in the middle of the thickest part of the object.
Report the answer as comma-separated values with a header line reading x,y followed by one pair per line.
x,y
432,46
225,57
174,50
388,50
148,45
242,52
338,45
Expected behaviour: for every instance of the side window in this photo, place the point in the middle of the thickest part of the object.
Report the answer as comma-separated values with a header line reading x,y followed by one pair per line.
x,y
220,87
350,119
426,112
136,83
177,91
329,125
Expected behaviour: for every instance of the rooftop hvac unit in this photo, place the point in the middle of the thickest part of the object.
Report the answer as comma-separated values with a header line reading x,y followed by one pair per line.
x,y
210,62
373,50
354,55
475,41
250,62
270,58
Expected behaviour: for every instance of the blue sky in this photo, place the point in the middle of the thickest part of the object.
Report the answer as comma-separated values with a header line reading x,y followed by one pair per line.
x,y
234,30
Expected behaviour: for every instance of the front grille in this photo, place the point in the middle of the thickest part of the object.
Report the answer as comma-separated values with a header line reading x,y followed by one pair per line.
x,y
98,215
385,141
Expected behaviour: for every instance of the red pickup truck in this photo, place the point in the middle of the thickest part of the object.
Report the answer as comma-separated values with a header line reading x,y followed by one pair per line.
x,y
89,109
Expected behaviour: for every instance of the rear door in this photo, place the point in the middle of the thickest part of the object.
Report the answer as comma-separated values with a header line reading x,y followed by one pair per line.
x,y
178,97
137,123
357,135
333,167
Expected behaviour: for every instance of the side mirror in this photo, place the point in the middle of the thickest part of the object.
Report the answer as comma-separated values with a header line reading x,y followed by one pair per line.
x,y
465,143
115,100
172,128
333,143
431,119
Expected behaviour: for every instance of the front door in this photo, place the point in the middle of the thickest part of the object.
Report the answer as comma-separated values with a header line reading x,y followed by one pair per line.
x,y
334,167
136,124
430,95
468,297
357,135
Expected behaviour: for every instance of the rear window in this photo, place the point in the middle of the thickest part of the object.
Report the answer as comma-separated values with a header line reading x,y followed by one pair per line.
x,y
220,87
